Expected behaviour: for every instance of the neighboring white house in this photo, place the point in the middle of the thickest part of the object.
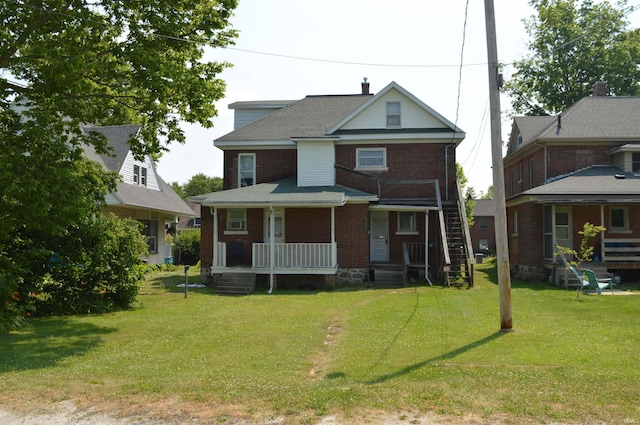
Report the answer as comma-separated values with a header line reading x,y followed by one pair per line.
x,y
142,194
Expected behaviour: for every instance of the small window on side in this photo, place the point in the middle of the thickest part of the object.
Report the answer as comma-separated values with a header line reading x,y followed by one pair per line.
x,y
407,222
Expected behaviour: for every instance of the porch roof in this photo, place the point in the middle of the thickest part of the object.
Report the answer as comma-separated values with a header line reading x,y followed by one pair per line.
x,y
596,184
283,193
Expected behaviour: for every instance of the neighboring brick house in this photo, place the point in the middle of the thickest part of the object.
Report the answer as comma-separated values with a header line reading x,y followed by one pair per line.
x,y
483,230
334,186
560,172
141,194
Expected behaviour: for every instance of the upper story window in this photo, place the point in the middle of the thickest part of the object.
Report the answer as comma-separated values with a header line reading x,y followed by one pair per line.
x,y
139,175
635,162
393,114
371,158
407,222
246,169
483,223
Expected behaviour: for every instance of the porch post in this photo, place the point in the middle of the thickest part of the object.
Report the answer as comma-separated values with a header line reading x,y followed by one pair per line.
x,y
334,251
426,247
602,233
272,253
214,213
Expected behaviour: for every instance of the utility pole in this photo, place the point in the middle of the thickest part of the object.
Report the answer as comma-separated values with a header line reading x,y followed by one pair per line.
x,y
502,247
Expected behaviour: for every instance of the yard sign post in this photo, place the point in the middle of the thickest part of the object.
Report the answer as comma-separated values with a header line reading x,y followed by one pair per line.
x,y
186,279
502,248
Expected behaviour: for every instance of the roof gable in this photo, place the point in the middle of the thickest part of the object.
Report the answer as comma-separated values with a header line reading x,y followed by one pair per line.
x,y
418,114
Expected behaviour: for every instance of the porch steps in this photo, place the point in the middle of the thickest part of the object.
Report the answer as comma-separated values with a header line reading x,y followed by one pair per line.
x,y
388,278
600,269
236,284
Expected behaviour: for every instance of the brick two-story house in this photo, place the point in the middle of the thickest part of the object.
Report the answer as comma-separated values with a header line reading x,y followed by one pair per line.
x,y
334,186
560,172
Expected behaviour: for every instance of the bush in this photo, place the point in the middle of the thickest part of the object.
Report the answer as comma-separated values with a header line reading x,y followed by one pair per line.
x,y
186,247
97,269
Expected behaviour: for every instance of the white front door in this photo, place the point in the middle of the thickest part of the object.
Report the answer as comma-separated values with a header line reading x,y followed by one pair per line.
x,y
379,233
278,225
562,227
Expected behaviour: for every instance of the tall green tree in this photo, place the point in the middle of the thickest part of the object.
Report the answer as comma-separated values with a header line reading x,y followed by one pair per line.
x,y
469,196
574,44
197,185
63,63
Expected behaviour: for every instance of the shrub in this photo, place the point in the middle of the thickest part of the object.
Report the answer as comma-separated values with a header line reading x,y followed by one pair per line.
x,y
186,247
97,269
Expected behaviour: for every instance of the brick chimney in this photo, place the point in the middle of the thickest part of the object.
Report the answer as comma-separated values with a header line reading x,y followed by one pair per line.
x,y
365,87
600,88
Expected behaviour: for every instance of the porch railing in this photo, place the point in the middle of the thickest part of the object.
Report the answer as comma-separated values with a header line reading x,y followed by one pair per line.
x,y
294,255
220,255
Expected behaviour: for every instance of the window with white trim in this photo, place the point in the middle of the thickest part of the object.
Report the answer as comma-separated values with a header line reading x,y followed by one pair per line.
x,y
393,114
407,222
372,158
139,175
483,244
618,219
237,220
635,162
150,233
246,169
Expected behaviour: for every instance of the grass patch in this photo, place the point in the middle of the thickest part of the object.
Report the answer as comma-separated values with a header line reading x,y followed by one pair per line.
x,y
306,354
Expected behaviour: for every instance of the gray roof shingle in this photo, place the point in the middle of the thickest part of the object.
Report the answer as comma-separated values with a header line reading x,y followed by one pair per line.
x,y
312,116
282,192
604,182
164,199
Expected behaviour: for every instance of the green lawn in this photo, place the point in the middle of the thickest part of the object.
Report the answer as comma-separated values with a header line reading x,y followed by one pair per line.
x,y
308,354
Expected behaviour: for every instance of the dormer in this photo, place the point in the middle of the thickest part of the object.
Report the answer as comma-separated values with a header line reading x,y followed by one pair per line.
x,y
627,158
139,172
250,111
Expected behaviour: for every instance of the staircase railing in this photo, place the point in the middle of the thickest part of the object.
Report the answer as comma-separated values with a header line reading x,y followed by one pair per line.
x,y
470,259
443,231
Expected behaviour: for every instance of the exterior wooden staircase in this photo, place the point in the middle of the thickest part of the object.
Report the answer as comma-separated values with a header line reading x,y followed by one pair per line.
x,y
461,268
236,284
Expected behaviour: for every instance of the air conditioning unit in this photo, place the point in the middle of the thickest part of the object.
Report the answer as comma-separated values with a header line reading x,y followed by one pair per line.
x,y
236,224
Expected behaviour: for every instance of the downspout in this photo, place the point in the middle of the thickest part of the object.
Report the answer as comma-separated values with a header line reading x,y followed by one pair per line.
x,y
446,172
426,247
272,253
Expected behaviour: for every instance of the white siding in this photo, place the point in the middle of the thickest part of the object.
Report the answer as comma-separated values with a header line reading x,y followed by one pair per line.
x,y
411,114
242,117
127,171
316,161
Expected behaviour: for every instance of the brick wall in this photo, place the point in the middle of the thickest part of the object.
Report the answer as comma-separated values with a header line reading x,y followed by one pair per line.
x,y
526,245
566,159
308,225
396,241
405,161
271,165
488,233
206,238
352,235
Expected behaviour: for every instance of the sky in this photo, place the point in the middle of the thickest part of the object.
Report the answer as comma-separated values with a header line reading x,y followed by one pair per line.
x,y
288,49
